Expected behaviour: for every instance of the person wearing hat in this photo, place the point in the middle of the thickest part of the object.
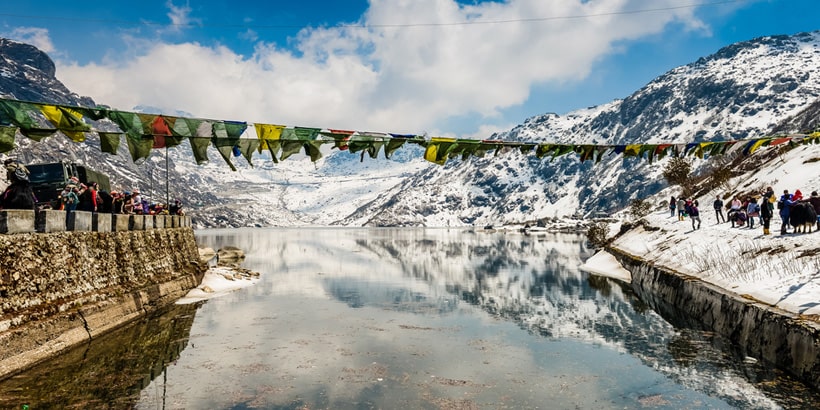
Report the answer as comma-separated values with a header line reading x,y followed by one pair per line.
x,y
136,201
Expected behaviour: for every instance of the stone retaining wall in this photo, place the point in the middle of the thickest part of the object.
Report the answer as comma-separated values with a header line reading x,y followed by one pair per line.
x,y
64,288
26,221
784,339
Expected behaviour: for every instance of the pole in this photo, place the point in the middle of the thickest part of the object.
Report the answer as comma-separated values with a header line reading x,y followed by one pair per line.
x,y
167,197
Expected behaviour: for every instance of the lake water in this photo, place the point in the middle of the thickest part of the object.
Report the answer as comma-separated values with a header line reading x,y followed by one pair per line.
x,y
410,319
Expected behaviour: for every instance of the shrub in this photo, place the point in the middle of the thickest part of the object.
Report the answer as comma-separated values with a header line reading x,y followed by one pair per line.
x,y
639,208
677,172
597,234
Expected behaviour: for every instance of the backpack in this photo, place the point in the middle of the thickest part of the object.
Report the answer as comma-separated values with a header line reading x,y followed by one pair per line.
x,y
780,204
20,174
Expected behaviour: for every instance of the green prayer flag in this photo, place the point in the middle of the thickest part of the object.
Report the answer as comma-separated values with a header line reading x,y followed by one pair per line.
x,y
247,146
139,147
21,113
7,138
200,139
392,145
129,122
109,142
225,137
291,144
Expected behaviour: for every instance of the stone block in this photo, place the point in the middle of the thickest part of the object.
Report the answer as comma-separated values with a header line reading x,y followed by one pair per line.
x,y
16,221
120,222
137,223
159,221
101,222
50,220
79,221
149,222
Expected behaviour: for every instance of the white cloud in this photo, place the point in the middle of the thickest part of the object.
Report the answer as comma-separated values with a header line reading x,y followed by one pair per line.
x,y
180,16
387,77
38,37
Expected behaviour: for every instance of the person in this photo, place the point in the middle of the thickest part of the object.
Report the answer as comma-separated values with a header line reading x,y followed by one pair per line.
x,y
752,211
117,203
176,208
127,202
785,204
89,200
672,204
69,198
767,210
15,171
694,214
681,208
104,202
814,200
718,205
734,209
19,194
136,201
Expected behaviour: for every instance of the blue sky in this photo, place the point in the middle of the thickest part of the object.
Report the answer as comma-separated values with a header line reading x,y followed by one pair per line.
x,y
441,67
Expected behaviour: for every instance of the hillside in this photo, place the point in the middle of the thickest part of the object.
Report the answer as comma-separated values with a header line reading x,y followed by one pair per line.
x,y
750,89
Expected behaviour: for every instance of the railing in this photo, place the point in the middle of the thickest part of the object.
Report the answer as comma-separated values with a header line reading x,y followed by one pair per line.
x,y
29,221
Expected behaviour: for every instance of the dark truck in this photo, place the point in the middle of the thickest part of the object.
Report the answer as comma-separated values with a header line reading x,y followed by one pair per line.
x,y
47,180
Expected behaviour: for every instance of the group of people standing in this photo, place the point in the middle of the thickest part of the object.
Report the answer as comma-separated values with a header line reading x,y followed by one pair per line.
x,y
686,207
744,212
79,196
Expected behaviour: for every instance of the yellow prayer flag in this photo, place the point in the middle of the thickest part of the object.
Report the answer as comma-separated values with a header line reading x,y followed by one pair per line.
x,y
267,132
758,144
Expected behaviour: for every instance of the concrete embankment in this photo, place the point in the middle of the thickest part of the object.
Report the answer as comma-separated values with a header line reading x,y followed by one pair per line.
x,y
784,339
61,289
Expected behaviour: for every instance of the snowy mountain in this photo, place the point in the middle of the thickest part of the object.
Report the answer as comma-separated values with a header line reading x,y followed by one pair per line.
x,y
745,90
750,89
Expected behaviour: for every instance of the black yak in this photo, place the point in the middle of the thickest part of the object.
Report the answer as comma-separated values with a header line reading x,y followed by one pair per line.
x,y
802,217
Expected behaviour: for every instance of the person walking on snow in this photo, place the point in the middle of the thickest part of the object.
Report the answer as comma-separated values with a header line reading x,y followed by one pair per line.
x,y
694,214
752,211
681,208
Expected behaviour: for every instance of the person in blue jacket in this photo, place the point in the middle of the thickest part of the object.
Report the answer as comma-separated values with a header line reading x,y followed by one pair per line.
x,y
784,205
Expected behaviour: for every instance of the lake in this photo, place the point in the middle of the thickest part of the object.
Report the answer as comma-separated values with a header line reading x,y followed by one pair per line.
x,y
356,318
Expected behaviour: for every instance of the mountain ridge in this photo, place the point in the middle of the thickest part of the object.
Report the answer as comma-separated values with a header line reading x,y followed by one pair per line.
x,y
746,90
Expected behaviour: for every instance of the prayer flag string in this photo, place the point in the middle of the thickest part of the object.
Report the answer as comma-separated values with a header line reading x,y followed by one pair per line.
x,y
144,132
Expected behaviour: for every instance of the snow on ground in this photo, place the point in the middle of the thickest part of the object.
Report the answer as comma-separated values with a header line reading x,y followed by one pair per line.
x,y
218,281
781,270
604,264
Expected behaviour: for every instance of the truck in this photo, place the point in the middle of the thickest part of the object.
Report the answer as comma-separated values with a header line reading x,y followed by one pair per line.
x,y
47,180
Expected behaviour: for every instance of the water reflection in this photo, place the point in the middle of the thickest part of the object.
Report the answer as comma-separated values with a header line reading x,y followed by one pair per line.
x,y
109,372
413,318
530,281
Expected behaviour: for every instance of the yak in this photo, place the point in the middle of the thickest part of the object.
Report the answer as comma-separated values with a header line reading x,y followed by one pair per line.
x,y
802,217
